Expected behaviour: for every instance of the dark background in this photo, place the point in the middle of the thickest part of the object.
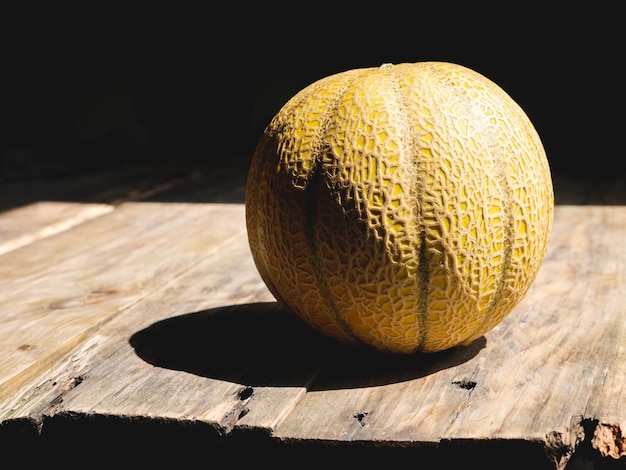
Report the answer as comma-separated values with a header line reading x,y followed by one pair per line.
x,y
90,90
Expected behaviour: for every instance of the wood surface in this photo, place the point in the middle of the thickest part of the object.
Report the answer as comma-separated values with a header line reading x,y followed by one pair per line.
x,y
24,225
149,317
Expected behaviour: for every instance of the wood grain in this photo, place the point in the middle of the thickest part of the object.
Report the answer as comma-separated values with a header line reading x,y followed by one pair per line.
x,y
58,291
556,360
24,225
155,311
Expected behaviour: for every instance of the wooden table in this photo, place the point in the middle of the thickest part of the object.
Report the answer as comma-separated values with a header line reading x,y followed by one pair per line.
x,y
134,326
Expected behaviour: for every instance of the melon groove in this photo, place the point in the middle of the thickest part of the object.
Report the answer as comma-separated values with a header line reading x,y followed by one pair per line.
x,y
312,237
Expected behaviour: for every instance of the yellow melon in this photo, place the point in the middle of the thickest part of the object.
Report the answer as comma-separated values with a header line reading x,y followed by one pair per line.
x,y
404,207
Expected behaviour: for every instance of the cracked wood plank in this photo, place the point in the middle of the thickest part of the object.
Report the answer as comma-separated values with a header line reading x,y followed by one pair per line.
x,y
58,291
211,346
195,350
557,359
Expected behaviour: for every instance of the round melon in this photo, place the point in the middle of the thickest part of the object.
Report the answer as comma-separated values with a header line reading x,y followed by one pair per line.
x,y
404,207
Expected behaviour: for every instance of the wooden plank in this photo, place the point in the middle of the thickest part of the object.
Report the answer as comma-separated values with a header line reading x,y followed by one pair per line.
x,y
24,225
571,335
188,331
208,345
207,334
58,291
555,362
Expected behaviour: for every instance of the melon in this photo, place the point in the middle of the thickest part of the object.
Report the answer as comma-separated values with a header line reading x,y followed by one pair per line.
x,y
405,208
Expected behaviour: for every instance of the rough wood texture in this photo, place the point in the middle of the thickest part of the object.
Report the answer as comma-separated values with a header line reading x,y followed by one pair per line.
x,y
24,225
150,320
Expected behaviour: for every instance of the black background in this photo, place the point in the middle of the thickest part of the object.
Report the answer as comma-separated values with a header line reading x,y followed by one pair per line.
x,y
86,90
